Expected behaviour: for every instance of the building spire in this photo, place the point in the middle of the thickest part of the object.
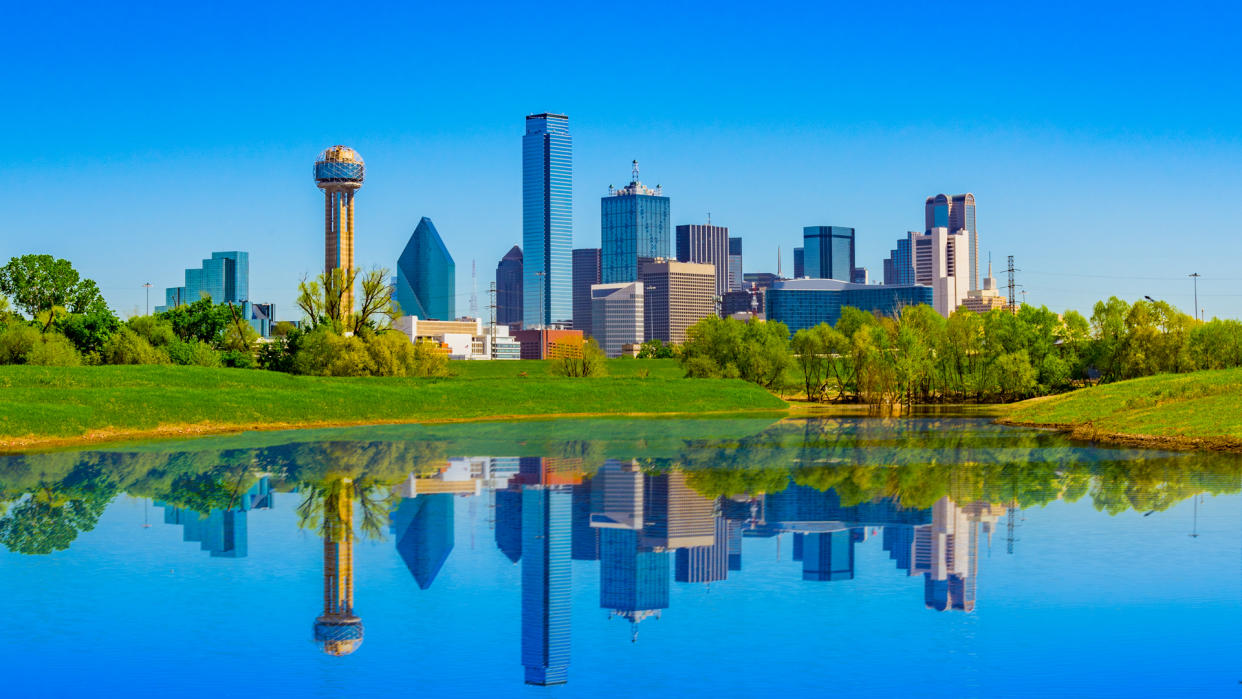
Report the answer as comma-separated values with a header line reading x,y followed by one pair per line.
x,y
634,172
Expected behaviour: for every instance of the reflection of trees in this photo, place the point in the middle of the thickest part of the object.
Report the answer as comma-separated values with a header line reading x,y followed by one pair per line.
x,y
51,517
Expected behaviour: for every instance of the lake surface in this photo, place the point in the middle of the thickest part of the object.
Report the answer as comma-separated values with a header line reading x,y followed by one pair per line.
x,y
724,558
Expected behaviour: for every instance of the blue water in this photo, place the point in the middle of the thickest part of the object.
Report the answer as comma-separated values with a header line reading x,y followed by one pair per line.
x,y
1074,601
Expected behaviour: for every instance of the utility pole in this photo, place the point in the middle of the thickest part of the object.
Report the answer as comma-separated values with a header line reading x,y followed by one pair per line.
x,y
1195,277
147,286
1013,299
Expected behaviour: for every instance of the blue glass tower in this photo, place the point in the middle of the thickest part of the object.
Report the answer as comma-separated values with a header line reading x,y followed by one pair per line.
x,y
547,226
546,537
426,276
805,303
635,222
225,278
828,252
899,267
633,580
423,526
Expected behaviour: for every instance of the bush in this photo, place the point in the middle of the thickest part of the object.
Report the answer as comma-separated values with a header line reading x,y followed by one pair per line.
x,y
128,347
579,359
16,341
193,353
324,353
54,349
155,330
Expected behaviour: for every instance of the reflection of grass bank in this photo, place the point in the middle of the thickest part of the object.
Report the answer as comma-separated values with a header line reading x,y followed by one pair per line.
x,y
44,406
1200,410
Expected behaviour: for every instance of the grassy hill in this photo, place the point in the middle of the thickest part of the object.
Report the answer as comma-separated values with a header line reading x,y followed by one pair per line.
x,y
44,406
1197,410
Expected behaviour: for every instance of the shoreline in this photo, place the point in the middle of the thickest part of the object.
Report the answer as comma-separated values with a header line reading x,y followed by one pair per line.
x,y
1089,433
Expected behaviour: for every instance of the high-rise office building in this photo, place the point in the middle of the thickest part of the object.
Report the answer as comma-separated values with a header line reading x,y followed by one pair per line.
x,y
509,287
859,275
735,264
224,278
676,295
956,213
634,224
426,276
899,267
936,259
423,528
675,516
828,555
799,263
617,314
546,581
828,252
633,579
706,244
547,222
586,275
339,172
705,564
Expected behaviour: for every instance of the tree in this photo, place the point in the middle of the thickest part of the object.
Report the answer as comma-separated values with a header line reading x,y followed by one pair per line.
x,y
201,320
89,330
577,358
656,349
376,309
40,283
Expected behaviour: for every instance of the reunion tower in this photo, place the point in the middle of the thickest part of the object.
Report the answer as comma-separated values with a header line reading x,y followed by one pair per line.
x,y
339,172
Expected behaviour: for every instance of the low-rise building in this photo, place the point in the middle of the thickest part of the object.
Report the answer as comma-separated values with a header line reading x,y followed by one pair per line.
x,y
547,343
467,338
986,299
805,303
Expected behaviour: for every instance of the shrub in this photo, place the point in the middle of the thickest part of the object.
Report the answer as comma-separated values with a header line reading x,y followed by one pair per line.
x,y
324,353
128,347
429,360
16,341
155,330
193,353
578,359
54,349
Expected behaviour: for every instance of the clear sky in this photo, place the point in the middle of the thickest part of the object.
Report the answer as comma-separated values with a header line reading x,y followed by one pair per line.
x,y
1102,143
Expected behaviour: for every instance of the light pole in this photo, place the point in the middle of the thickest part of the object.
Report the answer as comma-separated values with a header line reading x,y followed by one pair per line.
x,y
1195,277
147,286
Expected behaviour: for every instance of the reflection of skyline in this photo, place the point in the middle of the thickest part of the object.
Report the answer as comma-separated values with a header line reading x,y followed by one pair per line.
x,y
221,531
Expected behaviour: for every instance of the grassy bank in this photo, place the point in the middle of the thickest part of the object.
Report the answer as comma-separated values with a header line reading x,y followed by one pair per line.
x,y
46,406
1199,410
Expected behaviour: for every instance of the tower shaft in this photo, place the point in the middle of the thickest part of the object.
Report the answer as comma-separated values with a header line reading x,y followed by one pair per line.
x,y
339,238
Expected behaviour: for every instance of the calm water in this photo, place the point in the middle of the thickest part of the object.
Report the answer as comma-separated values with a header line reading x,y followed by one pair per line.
x,y
729,558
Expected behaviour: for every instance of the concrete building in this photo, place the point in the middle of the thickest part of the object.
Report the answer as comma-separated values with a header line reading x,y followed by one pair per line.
x,y
426,275
617,315
586,275
461,339
547,222
634,225
509,288
828,252
760,280
735,264
956,213
706,244
547,343
748,301
805,303
859,275
936,259
339,172
986,299
676,296
674,515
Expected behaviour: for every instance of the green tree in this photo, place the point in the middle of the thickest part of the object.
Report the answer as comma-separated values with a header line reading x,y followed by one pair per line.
x,y
89,330
201,320
657,349
128,347
41,283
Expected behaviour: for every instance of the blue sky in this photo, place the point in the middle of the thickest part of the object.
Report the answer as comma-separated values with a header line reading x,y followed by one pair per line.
x,y
1102,143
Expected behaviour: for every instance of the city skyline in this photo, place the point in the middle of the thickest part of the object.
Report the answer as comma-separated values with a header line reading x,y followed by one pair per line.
x,y
1106,159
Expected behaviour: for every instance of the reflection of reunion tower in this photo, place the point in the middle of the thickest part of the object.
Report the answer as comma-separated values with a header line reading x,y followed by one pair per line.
x,y
339,172
338,631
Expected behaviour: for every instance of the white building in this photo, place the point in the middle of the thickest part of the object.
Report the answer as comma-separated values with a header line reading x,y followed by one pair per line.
x,y
617,316
941,261
469,338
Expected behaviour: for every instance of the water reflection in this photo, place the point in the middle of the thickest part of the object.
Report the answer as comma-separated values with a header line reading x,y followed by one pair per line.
x,y
648,508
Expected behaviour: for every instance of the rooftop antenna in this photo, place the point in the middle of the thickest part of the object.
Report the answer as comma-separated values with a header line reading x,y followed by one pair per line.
x,y
778,262
709,218
634,172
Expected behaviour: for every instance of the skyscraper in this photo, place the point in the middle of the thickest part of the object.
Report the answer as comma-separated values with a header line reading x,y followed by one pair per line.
x,y
617,312
799,263
546,536
634,224
586,275
423,528
706,244
339,172
676,295
509,287
828,252
225,278
937,259
705,564
956,212
547,225
426,276
735,264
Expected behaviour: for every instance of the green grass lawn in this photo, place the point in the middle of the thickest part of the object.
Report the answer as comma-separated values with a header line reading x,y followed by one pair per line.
x,y
67,403
1199,405
656,368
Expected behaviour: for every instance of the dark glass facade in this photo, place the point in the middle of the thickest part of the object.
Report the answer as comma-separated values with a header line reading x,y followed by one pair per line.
x,y
586,273
828,252
799,263
509,287
806,303
546,540
426,276
955,212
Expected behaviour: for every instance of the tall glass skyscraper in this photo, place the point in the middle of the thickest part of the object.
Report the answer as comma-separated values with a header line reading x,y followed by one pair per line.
x,y
547,225
956,212
634,223
225,278
735,264
828,252
546,583
426,276
509,287
586,275
706,244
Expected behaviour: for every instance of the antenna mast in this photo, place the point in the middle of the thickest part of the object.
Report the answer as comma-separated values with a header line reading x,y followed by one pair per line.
x,y
474,291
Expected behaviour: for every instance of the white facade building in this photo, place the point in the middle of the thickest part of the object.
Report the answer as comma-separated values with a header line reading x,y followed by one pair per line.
x,y
617,316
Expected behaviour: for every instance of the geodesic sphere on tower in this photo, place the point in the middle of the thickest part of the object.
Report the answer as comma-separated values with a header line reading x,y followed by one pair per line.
x,y
337,635
340,165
